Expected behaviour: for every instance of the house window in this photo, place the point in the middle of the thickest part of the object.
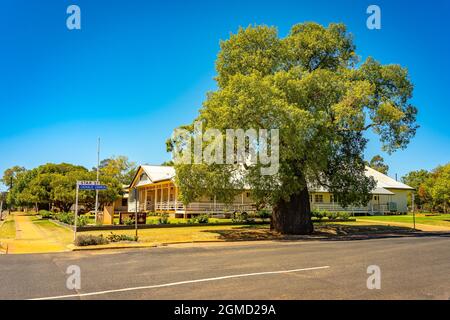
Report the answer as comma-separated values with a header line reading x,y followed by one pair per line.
x,y
124,202
310,198
376,198
248,194
331,198
318,198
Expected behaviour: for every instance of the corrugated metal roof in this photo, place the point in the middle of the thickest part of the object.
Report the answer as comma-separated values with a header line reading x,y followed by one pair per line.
x,y
381,191
384,182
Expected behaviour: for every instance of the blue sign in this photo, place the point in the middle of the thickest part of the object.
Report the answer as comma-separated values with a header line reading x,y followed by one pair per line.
x,y
92,187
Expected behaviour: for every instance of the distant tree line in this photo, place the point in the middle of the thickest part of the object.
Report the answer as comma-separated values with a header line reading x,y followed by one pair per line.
x,y
53,186
432,188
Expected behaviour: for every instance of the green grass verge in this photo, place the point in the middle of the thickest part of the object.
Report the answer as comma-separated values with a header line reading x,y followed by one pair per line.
x,y
54,231
8,229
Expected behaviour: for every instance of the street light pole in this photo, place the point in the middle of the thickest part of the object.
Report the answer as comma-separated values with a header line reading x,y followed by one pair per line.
x,y
98,174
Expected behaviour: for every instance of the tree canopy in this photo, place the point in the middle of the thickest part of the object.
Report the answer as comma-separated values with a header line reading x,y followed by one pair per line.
x,y
311,86
432,188
377,163
120,168
54,185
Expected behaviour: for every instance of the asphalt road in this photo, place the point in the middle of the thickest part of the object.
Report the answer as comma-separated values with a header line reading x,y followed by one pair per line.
x,y
411,268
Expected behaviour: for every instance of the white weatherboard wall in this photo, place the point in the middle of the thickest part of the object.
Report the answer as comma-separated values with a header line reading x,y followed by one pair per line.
x,y
400,197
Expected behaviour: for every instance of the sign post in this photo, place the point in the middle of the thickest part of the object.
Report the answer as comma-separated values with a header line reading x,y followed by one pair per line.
x,y
135,211
84,185
76,214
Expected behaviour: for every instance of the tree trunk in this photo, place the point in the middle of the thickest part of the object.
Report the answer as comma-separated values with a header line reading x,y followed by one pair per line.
x,y
293,216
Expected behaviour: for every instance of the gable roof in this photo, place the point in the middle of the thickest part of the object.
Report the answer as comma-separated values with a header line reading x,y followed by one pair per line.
x,y
161,173
153,173
384,181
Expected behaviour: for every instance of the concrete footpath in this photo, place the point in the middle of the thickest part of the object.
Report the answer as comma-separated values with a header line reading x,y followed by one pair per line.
x,y
31,238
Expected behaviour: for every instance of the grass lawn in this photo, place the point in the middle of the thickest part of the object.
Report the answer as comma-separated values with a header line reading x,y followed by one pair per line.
x,y
8,228
438,220
200,233
247,232
53,231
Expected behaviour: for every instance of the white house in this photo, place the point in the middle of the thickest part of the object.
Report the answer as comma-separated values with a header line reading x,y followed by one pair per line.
x,y
157,192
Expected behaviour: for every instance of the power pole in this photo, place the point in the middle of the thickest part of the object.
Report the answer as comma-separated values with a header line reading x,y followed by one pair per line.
x,y
98,174
413,211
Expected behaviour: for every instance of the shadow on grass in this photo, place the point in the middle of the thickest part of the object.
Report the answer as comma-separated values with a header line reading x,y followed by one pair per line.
x,y
324,232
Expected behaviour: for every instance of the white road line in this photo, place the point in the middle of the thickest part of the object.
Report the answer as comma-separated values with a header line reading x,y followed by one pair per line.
x,y
179,283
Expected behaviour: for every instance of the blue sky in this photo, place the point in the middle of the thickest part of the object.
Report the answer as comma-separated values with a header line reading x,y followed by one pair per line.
x,y
138,69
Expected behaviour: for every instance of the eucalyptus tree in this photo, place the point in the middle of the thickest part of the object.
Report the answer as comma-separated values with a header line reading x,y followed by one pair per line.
x,y
313,88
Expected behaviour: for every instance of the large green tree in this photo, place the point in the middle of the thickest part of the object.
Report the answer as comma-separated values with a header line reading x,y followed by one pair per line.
x,y
312,87
54,185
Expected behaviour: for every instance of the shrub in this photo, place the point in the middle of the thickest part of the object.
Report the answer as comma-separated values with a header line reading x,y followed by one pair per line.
x,y
204,218
65,217
90,240
164,219
69,218
45,214
128,222
332,215
319,214
264,214
120,237
239,217
82,221
343,215
191,221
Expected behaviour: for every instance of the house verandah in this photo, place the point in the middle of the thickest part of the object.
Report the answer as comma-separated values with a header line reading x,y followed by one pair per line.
x,y
157,192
